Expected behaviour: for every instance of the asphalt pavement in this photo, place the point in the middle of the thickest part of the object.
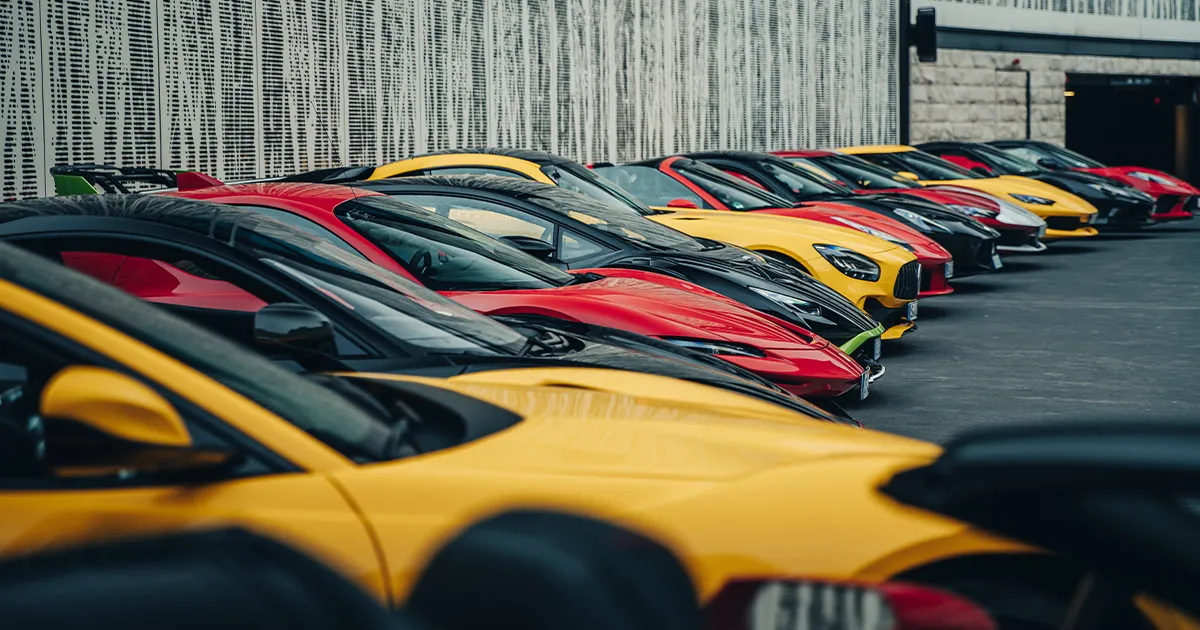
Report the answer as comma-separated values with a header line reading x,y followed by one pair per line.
x,y
1103,328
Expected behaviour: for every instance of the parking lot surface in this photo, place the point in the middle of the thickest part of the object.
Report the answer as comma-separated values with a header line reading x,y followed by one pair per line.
x,y
1106,328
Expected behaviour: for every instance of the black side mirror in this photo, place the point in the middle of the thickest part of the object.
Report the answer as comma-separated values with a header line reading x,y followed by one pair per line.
x,y
288,327
546,571
1050,163
535,247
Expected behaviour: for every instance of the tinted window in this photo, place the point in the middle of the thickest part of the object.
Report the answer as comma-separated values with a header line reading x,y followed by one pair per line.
x,y
730,191
628,226
802,183
446,255
573,246
924,166
858,173
651,185
306,225
493,219
1026,153
585,181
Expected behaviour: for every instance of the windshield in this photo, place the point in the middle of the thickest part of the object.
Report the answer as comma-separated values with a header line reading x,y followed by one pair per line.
x,y
1009,164
446,255
651,185
1072,159
857,172
585,181
802,183
926,167
623,224
730,191
408,312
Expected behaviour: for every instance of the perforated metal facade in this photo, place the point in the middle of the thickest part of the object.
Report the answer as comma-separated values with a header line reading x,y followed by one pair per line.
x,y
1152,9
246,88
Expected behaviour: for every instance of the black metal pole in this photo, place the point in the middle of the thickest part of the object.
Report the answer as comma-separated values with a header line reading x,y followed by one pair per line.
x,y
904,78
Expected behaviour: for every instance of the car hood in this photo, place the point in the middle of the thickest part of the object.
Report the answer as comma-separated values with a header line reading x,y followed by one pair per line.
x,y
763,226
924,247
646,308
1007,185
566,430
1122,173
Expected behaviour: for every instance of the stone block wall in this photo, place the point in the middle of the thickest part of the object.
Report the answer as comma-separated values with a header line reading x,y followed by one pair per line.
x,y
965,95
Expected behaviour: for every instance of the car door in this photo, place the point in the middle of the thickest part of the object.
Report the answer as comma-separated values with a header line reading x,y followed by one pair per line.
x,y
279,487
1121,498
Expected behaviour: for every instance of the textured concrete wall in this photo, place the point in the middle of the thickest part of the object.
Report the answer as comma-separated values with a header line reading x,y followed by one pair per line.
x,y
964,97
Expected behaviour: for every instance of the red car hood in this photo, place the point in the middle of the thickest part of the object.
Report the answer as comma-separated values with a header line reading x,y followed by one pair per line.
x,y
927,251
945,197
642,307
1122,174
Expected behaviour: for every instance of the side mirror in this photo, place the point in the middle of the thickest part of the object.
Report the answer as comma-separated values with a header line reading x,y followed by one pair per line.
x,y
909,175
535,247
1050,163
682,203
288,327
82,405
982,170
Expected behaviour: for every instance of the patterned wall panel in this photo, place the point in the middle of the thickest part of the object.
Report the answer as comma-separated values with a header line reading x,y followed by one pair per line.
x,y
246,88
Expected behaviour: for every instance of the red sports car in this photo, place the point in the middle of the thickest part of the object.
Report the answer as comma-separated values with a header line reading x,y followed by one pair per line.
x,y
1020,230
932,257
1175,199
493,278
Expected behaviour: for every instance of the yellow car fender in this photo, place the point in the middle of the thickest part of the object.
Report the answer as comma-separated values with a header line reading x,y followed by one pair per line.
x,y
793,238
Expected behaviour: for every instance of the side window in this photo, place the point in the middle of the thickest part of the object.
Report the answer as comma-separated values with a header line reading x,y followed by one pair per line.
x,y
962,159
885,161
475,170
301,223
1024,153
652,186
59,453
573,246
491,218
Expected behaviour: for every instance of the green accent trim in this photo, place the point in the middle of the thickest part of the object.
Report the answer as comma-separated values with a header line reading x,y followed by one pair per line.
x,y
65,185
854,344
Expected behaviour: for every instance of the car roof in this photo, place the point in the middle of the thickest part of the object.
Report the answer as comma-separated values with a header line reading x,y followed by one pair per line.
x,y
804,153
733,155
877,148
511,186
322,196
539,157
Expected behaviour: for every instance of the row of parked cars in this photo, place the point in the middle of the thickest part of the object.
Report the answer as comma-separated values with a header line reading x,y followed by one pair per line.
x,y
362,361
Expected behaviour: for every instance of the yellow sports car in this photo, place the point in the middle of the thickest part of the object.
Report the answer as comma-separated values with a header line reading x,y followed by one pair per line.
x,y
1066,215
118,419
880,277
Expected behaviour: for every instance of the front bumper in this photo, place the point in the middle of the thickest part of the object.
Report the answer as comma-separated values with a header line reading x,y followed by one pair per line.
x,y
935,279
1021,239
860,340
1123,215
895,321
1175,208
1070,226
971,254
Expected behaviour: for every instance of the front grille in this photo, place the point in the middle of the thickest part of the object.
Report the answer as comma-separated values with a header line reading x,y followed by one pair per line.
x,y
1166,203
908,281
1017,238
926,281
1192,204
1065,223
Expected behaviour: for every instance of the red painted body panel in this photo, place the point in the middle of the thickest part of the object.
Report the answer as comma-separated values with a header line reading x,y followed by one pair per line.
x,y
1178,190
642,302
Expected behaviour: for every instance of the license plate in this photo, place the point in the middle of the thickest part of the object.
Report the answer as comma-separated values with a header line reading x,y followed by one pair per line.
x,y
911,311
876,349
950,270
864,385
996,262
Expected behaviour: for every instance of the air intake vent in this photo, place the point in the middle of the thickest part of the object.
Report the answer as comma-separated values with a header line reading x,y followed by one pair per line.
x,y
908,281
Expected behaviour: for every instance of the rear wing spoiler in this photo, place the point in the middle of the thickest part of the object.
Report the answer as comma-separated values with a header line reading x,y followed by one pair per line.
x,y
95,179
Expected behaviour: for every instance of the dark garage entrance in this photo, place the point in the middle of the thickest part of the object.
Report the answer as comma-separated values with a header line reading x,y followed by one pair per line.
x,y
1136,120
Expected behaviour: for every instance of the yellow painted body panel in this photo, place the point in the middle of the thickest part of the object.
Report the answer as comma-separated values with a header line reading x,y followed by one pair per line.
x,y
1066,204
794,238
517,165
738,494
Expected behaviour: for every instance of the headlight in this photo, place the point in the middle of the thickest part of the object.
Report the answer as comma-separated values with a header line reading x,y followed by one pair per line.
x,y
1013,214
849,262
717,347
873,232
979,213
789,302
922,223
1037,201
1151,177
